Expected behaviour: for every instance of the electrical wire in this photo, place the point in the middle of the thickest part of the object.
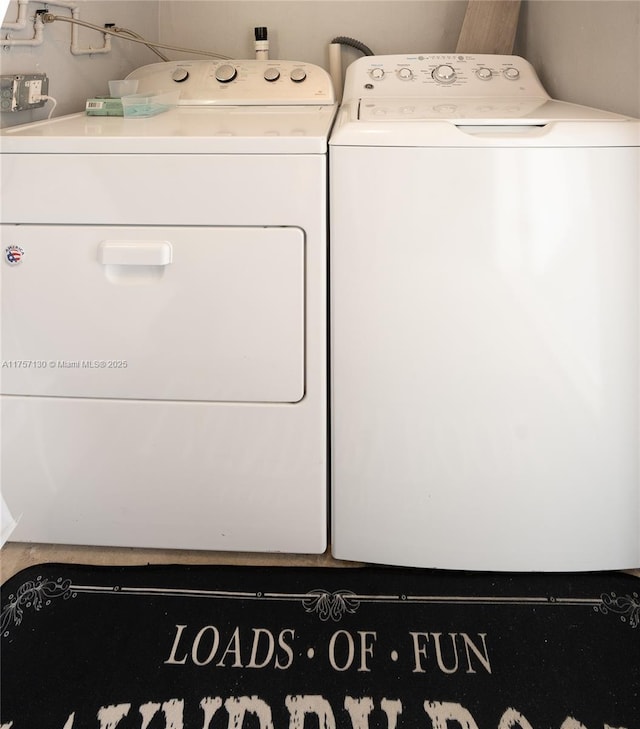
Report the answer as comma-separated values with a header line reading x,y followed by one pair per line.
x,y
50,18
55,103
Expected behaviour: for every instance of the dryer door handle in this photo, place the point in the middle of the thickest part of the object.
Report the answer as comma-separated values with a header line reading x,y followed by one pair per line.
x,y
135,252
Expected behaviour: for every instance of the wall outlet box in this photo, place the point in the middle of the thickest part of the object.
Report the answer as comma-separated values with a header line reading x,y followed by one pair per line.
x,y
23,91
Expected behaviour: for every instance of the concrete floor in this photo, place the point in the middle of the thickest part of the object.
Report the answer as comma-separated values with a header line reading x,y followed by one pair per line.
x,y
16,556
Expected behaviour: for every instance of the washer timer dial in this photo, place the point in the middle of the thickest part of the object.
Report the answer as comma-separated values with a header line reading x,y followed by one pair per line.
x,y
444,74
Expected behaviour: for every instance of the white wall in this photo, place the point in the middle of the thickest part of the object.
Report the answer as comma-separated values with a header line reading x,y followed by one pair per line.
x,y
301,29
74,78
585,51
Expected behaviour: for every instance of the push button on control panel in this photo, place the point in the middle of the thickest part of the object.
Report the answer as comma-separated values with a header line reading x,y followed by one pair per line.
x,y
445,108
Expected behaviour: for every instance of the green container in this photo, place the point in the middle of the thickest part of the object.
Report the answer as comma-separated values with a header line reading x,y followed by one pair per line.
x,y
104,106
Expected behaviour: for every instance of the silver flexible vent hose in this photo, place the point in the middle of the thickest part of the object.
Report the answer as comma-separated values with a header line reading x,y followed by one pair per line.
x,y
344,41
335,59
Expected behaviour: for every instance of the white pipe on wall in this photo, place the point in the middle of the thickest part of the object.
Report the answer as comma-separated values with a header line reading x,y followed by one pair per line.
x,y
21,21
37,39
76,50
75,46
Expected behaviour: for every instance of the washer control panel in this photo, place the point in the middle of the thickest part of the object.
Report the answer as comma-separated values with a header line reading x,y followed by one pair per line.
x,y
238,82
442,75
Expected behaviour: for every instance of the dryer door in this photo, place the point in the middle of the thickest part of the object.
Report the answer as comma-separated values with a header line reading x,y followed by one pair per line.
x,y
160,313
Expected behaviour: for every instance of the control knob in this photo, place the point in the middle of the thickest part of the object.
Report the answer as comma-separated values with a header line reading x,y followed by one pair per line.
x,y
444,74
377,74
484,73
511,73
298,75
271,74
405,74
180,74
225,73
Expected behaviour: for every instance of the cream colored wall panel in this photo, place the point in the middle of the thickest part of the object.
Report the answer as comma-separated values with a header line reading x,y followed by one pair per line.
x,y
584,51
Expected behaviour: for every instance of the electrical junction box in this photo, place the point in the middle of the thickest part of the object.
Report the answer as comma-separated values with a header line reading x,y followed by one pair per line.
x,y
23,91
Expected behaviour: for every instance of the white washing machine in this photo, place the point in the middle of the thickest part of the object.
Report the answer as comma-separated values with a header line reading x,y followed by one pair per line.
x,y
164,315
485,354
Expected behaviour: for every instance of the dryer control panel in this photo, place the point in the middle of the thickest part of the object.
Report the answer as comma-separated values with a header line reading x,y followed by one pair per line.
x,y
442,75
238,82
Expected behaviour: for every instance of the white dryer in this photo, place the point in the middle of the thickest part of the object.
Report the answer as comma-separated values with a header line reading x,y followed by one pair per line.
x,y
164,315
484,320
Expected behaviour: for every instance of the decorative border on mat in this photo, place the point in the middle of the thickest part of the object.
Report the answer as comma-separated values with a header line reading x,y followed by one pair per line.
x,y
627,607
39,593
34,594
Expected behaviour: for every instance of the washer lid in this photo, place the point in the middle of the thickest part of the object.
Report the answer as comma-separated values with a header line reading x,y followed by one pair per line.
x,y
485,111
480,123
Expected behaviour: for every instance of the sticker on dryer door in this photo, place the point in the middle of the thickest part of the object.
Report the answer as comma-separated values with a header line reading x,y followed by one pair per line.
x,y
13,255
